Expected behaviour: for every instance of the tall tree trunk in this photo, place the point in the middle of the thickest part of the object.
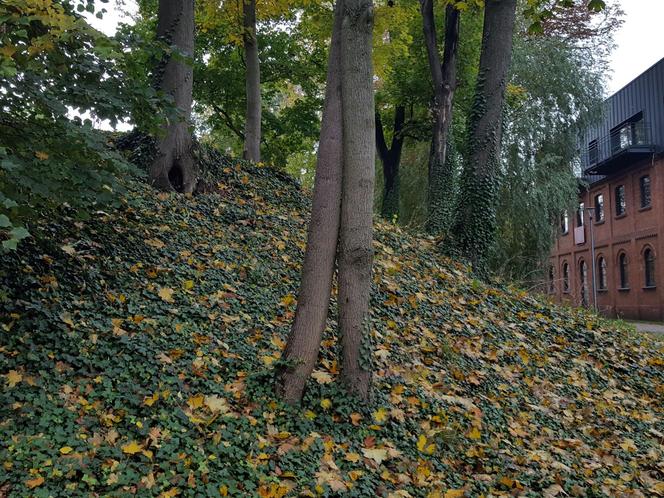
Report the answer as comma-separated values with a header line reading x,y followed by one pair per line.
x,y
440,193
174,167
252,128
475,223
355,241
390,158
317,272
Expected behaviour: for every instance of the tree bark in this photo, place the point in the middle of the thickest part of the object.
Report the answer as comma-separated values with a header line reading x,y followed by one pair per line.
x,y
174,167
391,159
475,223
252,128
355,241
317,272
439,199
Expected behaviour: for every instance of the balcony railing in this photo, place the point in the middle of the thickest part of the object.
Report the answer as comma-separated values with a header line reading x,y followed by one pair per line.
x,y
625,143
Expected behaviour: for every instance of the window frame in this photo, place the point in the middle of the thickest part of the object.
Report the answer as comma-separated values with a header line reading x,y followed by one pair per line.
x,y
580,215
565,272
621,200
564,223
649,270
643,196
603,274
599,208
623,271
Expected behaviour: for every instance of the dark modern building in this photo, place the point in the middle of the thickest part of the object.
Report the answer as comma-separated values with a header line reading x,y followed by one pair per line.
x,y
621,209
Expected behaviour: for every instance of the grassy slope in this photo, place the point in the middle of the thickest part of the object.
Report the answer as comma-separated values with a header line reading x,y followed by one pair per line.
x,y
135,358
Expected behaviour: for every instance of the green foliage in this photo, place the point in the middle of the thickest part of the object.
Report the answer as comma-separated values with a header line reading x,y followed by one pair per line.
x,y
548,106
137,350
55,66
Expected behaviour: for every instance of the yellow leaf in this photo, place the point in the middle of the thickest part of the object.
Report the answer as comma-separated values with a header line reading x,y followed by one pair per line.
x,y
166,293
353,457
322,377
196,401
309,415
326,404
287,300
378,455
33,483
151,400
454,493
42,156
13,377
188,284
131,448
380,415
156,243
423,447
170,493
65,450
223,490
216,404
475,433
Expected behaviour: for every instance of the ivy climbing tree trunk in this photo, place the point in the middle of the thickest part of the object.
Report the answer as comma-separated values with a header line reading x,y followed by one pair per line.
x,y
252,128
390,159
475,222
356,231
440,203
174,167
304,340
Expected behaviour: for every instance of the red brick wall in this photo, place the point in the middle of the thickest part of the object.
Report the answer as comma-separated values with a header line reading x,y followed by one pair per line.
x,y
631,233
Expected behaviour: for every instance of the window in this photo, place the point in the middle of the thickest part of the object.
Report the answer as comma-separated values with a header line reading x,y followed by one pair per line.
x,y
599,208
583,274
622,266
579,215
644,185
621,205
649,267
593,152
564,223
629,133
565,277
552,281
602,273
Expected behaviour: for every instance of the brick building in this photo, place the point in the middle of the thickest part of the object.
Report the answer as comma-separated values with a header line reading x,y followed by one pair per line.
x,y
621,207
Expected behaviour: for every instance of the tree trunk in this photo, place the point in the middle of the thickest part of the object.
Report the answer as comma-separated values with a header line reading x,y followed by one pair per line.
x,y
390,158
475,223
317,272
174,167
252,128
440,193
355,242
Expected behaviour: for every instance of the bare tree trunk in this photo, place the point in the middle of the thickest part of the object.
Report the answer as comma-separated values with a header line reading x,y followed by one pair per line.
x,y
475,223
252,127
355,241
440,193
174,167
317,272
391,158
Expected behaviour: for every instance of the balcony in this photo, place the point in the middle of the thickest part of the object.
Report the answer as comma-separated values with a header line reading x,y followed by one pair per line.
x,y
624,145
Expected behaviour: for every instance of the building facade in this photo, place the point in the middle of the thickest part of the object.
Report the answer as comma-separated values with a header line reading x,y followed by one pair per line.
x,y
621,210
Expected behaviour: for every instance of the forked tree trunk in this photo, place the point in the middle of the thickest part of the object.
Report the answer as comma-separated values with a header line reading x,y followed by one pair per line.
x,y
439,199
355,241
391,159
174,167
252,128
317,272
475,223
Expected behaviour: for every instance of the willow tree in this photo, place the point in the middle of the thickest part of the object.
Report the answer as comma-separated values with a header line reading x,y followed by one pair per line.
x,y
174,167
341,212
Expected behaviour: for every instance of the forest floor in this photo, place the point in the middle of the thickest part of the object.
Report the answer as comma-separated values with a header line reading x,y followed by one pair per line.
x,y
137,350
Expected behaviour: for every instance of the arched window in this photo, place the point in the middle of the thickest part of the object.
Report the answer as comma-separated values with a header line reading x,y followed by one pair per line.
x,y
622,267
565,277
649,267
602,273
583,274
552,281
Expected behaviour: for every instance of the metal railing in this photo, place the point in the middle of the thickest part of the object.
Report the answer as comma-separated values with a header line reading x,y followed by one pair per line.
x,y
629,135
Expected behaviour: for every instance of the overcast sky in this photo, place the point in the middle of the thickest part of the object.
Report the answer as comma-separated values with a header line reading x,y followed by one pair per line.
x,y
639,43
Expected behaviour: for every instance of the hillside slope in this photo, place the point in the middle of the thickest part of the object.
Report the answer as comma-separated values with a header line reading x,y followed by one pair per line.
x,y
137,348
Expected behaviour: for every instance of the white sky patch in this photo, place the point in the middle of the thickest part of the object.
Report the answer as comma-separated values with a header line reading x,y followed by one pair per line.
x,y
639,42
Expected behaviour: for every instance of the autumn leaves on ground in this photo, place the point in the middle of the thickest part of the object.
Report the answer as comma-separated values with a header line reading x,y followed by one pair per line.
x,y
138,346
